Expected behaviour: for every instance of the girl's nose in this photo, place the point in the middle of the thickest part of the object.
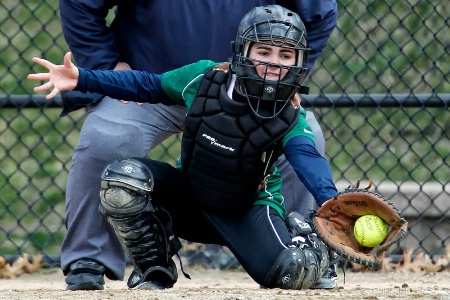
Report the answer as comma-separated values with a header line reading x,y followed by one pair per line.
x,y
274,59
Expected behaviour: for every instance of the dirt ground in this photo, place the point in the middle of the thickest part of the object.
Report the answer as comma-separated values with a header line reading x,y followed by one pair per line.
x,y
235,285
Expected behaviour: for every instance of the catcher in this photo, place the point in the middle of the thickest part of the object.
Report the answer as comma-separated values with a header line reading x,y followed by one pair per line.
x,y
226,188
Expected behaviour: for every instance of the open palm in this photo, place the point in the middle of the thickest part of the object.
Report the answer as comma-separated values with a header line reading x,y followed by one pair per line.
x,y
60,77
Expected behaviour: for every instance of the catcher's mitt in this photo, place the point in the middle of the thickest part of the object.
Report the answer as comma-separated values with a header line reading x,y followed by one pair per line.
x,y
335,219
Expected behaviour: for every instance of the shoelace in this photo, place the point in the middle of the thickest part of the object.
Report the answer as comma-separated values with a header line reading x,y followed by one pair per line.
x,y
342,262
181,267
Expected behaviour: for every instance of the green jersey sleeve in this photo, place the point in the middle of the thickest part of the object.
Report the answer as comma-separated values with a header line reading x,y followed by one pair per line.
x,y
181,84
302,128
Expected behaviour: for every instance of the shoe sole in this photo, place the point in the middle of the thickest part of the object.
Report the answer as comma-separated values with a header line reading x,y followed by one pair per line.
x,y
90,286
325,284
149,285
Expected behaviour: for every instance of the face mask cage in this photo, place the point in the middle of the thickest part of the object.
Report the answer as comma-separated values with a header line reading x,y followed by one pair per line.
x,y
267,98
276,33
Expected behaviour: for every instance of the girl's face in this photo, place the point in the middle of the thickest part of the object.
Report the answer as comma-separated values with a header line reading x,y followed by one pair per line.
x,y
274,55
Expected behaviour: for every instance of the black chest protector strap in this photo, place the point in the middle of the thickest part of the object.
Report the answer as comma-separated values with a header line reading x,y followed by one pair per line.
x,y
226,148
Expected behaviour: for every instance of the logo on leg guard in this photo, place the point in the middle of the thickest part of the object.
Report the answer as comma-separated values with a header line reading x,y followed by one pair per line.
x,y
128,169
286,279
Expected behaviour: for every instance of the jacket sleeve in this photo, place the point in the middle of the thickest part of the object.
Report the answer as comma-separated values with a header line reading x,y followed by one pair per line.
x,y
85,30
90,41
140,86
312,168
320,18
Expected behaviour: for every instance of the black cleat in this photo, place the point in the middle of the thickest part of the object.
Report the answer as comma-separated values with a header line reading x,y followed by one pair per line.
x,y
328,281
85,274
135,279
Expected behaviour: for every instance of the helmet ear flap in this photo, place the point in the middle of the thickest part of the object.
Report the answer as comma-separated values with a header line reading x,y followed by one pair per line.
x,y
233,47
236,48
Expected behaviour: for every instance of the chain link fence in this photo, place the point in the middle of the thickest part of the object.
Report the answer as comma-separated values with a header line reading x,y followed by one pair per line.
x,y
380,92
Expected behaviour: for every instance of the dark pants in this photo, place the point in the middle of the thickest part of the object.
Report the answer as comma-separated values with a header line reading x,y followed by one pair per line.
x,y
256,237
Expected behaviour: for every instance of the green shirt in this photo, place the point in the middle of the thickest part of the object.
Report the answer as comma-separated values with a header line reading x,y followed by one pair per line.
x,y
181,86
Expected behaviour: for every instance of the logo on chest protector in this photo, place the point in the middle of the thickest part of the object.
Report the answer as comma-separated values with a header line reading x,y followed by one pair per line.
x,y
215,143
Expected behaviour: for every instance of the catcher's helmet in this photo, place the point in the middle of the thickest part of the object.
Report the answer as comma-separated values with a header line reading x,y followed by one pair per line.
x,y
273,25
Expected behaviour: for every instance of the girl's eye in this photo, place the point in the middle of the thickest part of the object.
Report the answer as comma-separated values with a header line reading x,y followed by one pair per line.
x,y
287,55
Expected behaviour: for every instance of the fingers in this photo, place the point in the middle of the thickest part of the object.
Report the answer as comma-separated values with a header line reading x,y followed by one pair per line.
x,y
39,76
122,66
47,86
52,94
46,76
43,62
126,102
44,87
68,60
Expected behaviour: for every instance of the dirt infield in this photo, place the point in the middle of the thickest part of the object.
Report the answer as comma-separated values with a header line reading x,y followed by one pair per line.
x,y
227,285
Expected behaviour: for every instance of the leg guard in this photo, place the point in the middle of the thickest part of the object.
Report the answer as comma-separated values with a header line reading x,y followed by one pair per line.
x,y
303,235
144,231
303,262
329,279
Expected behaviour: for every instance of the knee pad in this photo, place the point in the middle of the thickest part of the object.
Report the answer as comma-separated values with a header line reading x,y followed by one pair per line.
x,y
288,271
295,269
125,188
128,173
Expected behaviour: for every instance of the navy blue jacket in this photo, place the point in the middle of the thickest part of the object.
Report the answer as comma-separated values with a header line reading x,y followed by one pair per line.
x,y
161,35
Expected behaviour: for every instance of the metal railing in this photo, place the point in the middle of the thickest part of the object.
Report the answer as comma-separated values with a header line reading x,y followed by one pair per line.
x,y
380,92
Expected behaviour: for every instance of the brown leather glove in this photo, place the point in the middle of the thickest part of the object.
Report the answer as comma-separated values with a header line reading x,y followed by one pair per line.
x,y
334,222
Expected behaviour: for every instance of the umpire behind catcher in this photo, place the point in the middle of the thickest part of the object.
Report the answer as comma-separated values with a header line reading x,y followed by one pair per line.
x,y
226,187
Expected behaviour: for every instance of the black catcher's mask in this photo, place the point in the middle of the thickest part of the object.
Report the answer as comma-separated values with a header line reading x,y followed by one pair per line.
x,y
272,25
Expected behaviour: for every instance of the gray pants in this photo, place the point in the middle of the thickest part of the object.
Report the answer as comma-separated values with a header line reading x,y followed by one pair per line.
x,y
112,130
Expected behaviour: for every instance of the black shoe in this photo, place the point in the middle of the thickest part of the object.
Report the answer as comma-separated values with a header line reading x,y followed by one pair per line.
x,y
135,279
85,274
328,281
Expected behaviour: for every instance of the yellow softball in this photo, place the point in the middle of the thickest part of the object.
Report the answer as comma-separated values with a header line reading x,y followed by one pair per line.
x,y
370,230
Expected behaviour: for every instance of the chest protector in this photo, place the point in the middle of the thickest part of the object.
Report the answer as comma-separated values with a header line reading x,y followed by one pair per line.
x,y
226,149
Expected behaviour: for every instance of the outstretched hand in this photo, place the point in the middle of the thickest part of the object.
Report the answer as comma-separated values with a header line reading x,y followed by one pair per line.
x,y
60,77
